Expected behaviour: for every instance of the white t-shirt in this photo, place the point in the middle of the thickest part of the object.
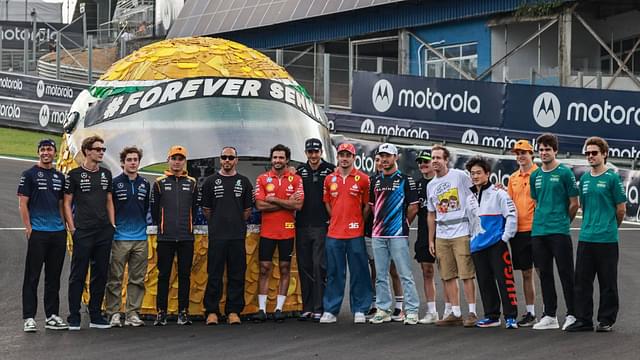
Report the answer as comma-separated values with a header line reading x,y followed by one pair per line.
x,y
447,196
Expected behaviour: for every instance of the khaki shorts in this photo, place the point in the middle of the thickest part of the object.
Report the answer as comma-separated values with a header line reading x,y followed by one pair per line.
x,y
454,258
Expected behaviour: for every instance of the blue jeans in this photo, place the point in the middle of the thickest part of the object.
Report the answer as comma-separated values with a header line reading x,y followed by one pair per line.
x,y
339,253
396,249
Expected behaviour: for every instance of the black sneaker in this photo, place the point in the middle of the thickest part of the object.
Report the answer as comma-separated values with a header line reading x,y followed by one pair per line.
x,y
161,319
579,326
527,320
100,322
74,322
371,312
306,316
316,317
183,318
259,317
604,327
279,316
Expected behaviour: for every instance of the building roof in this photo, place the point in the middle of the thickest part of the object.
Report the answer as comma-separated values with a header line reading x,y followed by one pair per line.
x,y
207,17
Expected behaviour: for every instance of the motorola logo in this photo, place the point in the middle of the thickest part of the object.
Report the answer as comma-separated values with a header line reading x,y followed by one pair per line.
x,y
382,96
40,89
368,127
546,109
44,115
470,137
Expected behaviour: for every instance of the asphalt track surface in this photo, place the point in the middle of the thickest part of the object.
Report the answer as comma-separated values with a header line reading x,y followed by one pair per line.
x,y
294,339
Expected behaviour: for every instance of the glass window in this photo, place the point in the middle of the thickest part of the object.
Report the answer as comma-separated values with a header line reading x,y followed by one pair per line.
x,y
464,56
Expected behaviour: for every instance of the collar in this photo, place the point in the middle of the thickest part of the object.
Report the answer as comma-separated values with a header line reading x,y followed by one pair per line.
x,y
353,172
474,189
382,175
169,173
323,165
273,174
534,167
124,176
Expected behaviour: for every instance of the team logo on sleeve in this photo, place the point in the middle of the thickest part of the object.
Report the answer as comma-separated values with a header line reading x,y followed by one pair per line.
x,y
357,178
290,178
120,185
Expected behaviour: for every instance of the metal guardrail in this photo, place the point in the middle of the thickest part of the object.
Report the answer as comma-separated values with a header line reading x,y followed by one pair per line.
x,y
48,70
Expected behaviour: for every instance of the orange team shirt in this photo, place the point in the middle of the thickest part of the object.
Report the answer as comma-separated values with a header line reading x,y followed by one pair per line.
x,y
346,197
519,191
280,224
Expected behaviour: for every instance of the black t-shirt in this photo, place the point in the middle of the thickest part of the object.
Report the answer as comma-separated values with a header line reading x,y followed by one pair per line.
x,y
227,197
89,190
423,228
313,212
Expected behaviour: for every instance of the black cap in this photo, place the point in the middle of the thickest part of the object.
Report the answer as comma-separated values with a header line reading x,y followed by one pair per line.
x,y
47,142
312,144
424,155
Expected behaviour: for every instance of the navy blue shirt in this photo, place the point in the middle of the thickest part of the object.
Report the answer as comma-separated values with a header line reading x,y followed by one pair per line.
x,y
44,188
131,203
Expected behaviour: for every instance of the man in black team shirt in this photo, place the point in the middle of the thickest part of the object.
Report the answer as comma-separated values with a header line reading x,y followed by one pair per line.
x,y
226,201
88,191
311,230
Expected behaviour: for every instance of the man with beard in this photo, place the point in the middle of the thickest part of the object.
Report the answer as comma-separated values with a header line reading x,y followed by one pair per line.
x,y
40,196
227,198
88,189
279,194
553,188
311,230
394,200
449,235
603,198
346,196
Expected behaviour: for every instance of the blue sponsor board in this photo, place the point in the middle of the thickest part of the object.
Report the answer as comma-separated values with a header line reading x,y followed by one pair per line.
x,y
493,137
433,99
491,114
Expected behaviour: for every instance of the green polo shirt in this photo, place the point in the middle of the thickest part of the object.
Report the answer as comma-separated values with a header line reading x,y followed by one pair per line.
x,y
599,196
551,190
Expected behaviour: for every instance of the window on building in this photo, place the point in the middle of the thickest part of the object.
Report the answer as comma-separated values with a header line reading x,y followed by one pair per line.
x,y
463,55
621,48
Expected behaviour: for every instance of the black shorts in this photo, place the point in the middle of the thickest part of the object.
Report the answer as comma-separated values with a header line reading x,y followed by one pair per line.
x,y
521,251
268,246
422,251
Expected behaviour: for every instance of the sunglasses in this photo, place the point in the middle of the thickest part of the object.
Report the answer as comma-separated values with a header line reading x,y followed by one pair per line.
x,y
591,153
421,161
227,157
99,149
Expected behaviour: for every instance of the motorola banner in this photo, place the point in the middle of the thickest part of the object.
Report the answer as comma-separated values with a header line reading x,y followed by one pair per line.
x,y
428,99
14,32
582,112
32,115
442,107
38,88
501,167
459,134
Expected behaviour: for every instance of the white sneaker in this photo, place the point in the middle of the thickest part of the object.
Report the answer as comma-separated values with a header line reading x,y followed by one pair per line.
x,y
328,318
54,322
380,317
359,318
568,321
133,320
546,323
429,318
116,320
411,319
30,325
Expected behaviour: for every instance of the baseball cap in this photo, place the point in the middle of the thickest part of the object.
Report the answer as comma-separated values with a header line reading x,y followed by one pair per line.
x,y
522,145
312,144
347,147
47,142
177,150
424,155
388,149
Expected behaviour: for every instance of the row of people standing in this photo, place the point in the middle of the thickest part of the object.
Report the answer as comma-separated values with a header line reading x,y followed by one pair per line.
x,y
300,205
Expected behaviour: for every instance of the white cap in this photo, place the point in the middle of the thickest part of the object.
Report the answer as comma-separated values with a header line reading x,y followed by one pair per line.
x,y
388,148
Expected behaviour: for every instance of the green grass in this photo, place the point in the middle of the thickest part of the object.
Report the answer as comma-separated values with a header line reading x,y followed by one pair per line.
x,y
23,144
